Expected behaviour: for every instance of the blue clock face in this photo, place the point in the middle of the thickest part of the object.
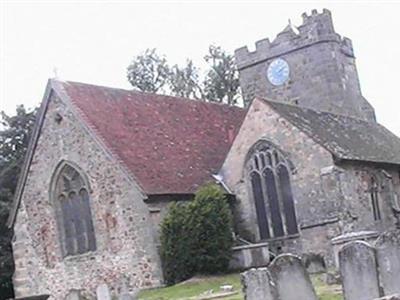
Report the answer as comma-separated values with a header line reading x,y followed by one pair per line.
x,y
278,71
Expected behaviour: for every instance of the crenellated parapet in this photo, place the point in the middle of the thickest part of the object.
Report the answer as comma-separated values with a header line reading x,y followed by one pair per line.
x,y
315,28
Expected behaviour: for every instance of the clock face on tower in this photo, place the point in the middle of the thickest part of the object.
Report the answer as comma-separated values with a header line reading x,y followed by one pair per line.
x,y
278,71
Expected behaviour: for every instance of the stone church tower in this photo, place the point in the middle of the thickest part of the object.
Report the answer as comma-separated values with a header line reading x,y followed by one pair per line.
x,y
311,66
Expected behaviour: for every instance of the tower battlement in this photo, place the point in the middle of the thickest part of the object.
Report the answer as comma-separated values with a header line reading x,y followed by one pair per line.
x,y
315,28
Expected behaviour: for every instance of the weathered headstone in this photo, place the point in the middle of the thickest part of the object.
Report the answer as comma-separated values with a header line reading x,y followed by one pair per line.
x,y
291,278
125,296
388,257
73,295
257,284
103,292
359,272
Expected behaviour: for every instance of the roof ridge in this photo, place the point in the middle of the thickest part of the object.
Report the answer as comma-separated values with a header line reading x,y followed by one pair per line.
x,y
316,111
171,97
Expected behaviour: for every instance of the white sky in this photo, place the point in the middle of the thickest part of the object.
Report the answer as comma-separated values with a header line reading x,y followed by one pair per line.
x,y
94,41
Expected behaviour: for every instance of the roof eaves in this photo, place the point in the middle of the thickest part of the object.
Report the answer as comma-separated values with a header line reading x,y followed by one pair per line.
x,y
29,154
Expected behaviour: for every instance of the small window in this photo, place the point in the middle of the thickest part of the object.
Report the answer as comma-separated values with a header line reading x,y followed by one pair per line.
x,y
73,212
374,195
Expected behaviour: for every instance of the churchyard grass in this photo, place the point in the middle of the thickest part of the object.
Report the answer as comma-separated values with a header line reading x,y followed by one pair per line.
x,y
196,286
325,291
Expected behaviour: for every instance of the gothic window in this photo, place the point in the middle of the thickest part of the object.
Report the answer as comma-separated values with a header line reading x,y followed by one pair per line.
x,y
268,171
374,193
74,217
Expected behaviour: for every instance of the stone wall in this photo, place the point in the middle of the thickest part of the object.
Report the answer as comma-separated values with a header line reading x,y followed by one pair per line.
x,y
355,187
330,198
126,252
316,206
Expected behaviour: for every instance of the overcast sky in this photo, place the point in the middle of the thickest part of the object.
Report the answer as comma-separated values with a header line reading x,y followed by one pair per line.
x,y
94,41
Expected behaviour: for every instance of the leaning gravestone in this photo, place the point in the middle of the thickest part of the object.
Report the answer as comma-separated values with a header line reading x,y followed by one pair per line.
x,y
102,292
388,256
358,270
257,285
291,278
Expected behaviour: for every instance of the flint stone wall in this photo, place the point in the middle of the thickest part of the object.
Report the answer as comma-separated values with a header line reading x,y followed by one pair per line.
x,y
125,247
312,205
329,199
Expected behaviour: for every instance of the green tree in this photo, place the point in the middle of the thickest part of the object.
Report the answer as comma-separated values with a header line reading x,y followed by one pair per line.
x,y
14,138
184,82
222,80
149,72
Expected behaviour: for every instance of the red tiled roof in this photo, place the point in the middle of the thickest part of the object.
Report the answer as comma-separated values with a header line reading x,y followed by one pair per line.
x,y
171,145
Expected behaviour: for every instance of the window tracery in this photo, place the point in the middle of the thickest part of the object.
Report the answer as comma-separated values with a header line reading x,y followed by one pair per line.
x,y
73,212
269,174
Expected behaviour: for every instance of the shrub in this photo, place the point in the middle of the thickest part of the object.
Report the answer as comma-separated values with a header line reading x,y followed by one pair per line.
x,y
196,237
176,245
210,221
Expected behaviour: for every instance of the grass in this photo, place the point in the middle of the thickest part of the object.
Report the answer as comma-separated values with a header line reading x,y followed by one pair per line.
x,y
198,285
326,292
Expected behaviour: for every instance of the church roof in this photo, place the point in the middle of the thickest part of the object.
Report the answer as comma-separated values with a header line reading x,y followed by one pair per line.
x,y
345,137
170,144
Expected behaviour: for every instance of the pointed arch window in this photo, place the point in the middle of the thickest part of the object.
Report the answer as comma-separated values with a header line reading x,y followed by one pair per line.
x,y
269,175
374,195
74,217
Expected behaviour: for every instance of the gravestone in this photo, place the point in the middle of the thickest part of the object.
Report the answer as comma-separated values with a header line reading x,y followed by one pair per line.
x,y
358,271
291,278
257,285
73,295
125,296
103,292
388,257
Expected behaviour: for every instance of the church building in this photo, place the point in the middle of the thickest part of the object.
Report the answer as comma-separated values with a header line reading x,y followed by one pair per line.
x,y
306,164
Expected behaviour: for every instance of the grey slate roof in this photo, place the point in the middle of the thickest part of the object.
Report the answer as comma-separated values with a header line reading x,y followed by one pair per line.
x,y
345,137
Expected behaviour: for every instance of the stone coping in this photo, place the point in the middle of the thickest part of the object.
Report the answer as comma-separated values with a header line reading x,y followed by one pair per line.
x,y
352,236
251,246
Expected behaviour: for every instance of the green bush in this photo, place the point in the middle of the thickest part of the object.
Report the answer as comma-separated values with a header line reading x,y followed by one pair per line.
x,y
196,237
176,245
